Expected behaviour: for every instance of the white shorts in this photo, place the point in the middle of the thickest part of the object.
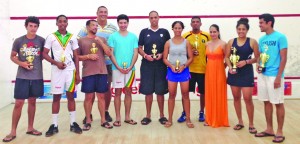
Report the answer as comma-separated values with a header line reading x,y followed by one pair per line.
x,y
266,91
120,80
62,80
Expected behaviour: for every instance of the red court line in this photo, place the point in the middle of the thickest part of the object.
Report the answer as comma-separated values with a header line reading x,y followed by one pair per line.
x,y
166,16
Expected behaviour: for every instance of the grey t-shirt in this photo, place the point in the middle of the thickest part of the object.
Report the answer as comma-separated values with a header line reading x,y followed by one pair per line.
x,y
30,47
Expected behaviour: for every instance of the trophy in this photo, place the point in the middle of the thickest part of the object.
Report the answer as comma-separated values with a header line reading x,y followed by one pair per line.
x,y
30,59
94,49
234,59
177,63
154,51
196,45
62,57
264,57
124,65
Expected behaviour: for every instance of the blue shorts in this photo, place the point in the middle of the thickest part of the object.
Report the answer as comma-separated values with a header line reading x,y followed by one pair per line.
x,y
94,83
28,88
178,77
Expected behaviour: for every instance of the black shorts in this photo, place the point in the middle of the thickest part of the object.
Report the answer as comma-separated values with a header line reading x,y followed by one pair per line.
x,y
28,88
94,83
153,79
200,80
109,73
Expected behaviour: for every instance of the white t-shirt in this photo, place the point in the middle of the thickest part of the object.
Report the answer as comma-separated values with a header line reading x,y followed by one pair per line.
x,y
53,43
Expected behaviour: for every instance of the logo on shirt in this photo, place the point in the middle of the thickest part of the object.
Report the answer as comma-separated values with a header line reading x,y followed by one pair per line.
x,y
148,35
161,35
30,49
203,41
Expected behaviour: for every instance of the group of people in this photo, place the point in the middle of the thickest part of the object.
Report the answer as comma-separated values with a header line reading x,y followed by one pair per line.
x,y
108,58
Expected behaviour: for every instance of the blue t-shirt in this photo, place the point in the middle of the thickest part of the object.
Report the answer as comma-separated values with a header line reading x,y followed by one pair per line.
x,y
275,42
123,48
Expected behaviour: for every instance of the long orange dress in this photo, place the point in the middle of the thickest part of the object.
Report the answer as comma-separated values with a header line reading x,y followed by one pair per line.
x,y
216,89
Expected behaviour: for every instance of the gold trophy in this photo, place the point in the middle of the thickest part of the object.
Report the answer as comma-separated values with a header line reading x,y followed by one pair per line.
x,y
154,51
124,65
62,57
264,57
94,49
234,59
30,59
196,46
177,63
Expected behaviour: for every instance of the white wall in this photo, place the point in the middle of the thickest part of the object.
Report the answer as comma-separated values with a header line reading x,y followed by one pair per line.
x,y
286,25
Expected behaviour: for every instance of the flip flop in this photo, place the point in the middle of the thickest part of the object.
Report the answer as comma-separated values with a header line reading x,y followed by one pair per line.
x,y
145,121
282,138
87,127
163,120
132,122
263,134
238,127
252,130
9,138
106,125
117,123
34,132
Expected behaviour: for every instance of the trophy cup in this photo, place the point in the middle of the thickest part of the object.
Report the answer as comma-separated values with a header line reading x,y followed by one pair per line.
x,y
124,65
177,63
30,59
94,49
196,46
62,57
154,51
264,57
234,59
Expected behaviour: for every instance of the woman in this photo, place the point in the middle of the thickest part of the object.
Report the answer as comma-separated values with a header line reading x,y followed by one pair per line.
x,y
215,81
180,57
241,81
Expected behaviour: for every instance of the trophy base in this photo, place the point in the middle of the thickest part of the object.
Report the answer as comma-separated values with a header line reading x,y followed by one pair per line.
x,y
234,70
30,67
261,69
154,56
196,53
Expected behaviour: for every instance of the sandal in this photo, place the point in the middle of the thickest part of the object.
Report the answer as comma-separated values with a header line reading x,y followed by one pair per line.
x,y
117,123
163,120
132,122
87,127
168,124
205,124
252,130
145,121
106,125
190,125
263,134
9,138
34,132
238,127
281,139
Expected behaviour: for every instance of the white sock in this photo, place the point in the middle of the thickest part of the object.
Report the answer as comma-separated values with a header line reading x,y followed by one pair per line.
x,y
72,117
55,119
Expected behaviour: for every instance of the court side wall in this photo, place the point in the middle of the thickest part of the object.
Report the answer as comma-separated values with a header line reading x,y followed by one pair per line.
x,y
223,13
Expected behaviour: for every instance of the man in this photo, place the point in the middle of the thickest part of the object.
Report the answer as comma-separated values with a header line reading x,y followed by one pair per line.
x,y
64,72
124,46
104,30
271,80
94,72
153,69
197,39
26,53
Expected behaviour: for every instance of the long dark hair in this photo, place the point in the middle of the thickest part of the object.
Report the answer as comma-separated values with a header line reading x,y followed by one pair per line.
x,y
217,28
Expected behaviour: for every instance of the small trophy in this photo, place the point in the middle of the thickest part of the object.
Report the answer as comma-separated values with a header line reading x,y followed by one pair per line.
x,y
177,65
154,51
264,57
234,59
94,49
196,46
30,59
124,65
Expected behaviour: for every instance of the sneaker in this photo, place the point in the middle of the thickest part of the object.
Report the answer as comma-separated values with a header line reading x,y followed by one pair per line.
x,y
201,117
84,120
75,128
182,118
51,131
108,117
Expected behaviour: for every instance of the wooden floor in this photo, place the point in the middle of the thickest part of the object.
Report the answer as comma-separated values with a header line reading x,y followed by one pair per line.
x,y
154,133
